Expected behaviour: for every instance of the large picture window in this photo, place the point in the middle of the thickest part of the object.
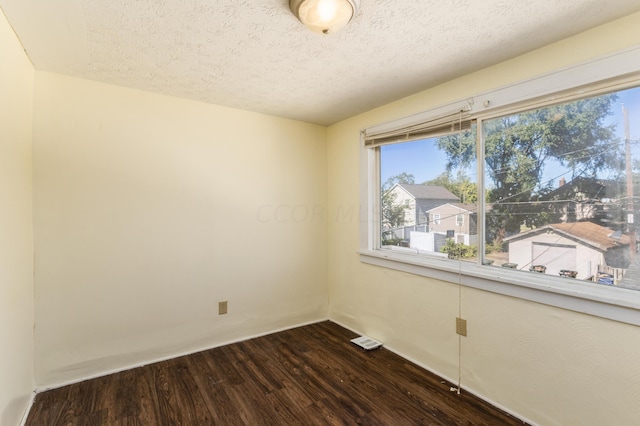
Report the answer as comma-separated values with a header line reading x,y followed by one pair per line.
x,y
561,191
562,186
441,197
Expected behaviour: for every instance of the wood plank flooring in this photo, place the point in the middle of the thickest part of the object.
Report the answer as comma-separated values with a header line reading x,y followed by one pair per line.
x,y
310,375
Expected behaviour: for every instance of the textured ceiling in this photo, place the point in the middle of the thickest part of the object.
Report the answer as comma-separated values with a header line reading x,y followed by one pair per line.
x,y
255,55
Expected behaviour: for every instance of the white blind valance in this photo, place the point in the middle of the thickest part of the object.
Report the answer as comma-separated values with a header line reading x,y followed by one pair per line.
x,y
616,71
438,122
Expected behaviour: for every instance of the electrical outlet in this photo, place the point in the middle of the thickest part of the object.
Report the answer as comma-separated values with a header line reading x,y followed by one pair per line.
x,y
222,308
461,326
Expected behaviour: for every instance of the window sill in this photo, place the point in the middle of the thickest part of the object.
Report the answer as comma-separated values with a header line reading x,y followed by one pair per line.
x,y
617,304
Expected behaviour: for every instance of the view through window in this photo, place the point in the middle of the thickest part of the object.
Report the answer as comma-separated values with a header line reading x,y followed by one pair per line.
x,y
561,192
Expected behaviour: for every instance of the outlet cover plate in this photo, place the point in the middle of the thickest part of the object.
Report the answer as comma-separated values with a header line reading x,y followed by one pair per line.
x,y
461,326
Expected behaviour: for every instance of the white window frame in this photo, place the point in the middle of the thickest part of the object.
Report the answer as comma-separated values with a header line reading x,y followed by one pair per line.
x,y
459,219
436,218
613,72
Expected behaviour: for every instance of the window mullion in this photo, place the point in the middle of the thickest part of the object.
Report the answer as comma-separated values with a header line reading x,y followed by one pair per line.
x,y
375,196
481,191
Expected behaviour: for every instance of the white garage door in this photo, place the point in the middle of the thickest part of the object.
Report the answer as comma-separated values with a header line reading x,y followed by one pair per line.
x,y
554,256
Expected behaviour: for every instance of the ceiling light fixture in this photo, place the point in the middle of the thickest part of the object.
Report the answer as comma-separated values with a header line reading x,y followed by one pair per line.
x,y
324,16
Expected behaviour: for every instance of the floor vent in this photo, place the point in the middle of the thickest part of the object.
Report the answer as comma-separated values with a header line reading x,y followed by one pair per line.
x,y
366,343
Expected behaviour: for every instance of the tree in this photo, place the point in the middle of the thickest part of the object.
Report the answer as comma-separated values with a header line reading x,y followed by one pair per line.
x,y
403,177
461,186
459,250
392,213
518,146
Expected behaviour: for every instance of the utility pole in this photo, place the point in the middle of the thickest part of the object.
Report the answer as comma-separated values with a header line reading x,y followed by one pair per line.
x,y
630,207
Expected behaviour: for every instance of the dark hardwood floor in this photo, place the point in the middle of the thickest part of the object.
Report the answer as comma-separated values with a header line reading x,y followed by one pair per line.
x,y
312,375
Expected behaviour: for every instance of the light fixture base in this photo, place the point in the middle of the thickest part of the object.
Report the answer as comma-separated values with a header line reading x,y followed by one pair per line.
x,y
324,16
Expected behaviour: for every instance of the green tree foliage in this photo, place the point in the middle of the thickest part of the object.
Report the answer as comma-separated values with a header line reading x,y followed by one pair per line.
x,y
458,250
392,213
461,185
403,177
517,147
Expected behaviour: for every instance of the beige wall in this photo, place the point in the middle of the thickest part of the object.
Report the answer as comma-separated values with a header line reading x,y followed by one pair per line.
x,y
149,209
546,364
16,237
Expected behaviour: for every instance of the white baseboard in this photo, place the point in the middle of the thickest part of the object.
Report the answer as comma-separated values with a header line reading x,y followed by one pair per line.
x,y
27,410
445,377
176,355
169,357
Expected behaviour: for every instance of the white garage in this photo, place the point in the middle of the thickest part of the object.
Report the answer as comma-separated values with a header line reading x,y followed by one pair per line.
x,y
577,246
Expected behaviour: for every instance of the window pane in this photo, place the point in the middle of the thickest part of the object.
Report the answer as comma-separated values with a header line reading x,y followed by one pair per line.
x,y
563,187
429,196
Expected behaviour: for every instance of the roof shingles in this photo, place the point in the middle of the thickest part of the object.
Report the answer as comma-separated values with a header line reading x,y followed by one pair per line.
x,y
432,192
588,232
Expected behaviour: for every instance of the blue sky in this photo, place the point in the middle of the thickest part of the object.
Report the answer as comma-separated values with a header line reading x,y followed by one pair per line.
x,y
424,161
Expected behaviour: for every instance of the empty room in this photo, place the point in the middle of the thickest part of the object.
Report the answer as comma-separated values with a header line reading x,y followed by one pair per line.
x,y
203,202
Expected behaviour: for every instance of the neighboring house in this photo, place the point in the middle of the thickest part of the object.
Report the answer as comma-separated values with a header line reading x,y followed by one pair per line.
x,y
419,199
582,199
630,279
456,220
579,246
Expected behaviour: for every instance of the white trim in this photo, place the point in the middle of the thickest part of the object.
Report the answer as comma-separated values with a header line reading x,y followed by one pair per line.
x,y
444,377
609,73
482,205
369,192
567,83
169,357
25,415
548,88
445,112
620,304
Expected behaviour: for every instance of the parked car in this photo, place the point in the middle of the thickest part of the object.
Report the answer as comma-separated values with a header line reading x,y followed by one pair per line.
x,y
606,279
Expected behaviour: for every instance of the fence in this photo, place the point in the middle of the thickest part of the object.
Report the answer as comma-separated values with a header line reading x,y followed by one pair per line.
x,y
615,273
404,233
